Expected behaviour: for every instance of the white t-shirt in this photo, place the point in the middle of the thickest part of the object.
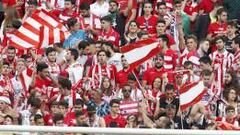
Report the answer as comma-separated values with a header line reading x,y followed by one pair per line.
x,y
99,10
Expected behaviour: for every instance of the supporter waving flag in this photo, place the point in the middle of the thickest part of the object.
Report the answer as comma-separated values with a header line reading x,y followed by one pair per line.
x,y
191,94
140,51
39,30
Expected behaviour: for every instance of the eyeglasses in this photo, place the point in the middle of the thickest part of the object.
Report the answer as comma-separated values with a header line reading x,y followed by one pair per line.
x,y
125,91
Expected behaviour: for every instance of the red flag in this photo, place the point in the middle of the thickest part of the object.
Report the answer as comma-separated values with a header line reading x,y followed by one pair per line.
x,y
140,51
28,35
191,94
226,126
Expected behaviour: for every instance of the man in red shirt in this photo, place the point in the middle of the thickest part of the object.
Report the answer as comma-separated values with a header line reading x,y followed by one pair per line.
x,y
220,27
156,71
114,119
147,22
42,80
108,34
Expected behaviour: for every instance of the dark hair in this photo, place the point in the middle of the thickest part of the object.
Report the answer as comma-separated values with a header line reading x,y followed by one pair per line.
x,y
223,38
192,37
16,24
187,63
84,6
83,44
71,22
101,51
11,48
160,4
206,72
106,18
63,103
72,1
32,2
37,117
237,40
6,63
169,86
220,11
35,102
164,38
229,107
131,77
227,91
232,23
9,116
205,60
65,83
41,67
49,50
79,102
74,52
113,1
161,21
79,113
57,117
60,45
114,101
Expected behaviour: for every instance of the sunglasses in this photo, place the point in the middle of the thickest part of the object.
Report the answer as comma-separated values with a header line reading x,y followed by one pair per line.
x,y
125,91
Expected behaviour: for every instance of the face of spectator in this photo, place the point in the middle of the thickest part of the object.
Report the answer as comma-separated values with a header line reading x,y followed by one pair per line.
x,y
105,25
54,109
234,46
8,121
227,78
133,27
124,63
126,91
84,13
161,122
59,123
170,111
75,27
157,83
64,91
191,44
232,95
147,8
169,94
11,53
31,119
5,69
160,28
158,62
78,108
40,122
231,30
81,120
102,58
205,46
220,44
162,10
52,56
207,80
178,79
106,83
230,113
223,17
44,73
62,110
68,5
113,7
97,96
30,9
20,66
115,108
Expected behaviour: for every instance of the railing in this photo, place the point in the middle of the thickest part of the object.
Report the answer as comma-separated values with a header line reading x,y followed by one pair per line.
x,y
112,131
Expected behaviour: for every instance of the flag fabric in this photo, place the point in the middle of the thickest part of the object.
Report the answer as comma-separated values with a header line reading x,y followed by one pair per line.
x,y
140,51
191,94
26,79
33,30
226,126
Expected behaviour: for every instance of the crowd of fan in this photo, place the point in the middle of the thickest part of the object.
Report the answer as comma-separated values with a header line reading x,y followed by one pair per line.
x,y
199,40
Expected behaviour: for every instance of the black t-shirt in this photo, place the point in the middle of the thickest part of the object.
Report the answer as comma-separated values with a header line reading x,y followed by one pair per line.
x,y
175,102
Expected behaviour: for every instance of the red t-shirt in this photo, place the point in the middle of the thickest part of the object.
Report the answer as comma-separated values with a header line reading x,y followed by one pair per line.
x,y
120,121
48,119
110,36
216,28
206,5
151,74
122,76
148,25
189,9
40,83
123,4
70,119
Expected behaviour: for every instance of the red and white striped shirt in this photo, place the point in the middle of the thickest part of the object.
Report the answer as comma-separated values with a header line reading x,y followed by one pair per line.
x,y
128,108
170,59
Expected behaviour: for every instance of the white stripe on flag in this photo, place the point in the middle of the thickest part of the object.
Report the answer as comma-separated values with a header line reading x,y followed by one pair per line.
x,y
45,35
49,19
56,35
139,53
194,60
192,93
29,34
21,42
34,23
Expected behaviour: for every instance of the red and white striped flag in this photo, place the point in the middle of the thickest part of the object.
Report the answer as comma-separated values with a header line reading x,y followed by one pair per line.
x,y
140,51
191,94
32,31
